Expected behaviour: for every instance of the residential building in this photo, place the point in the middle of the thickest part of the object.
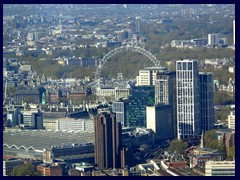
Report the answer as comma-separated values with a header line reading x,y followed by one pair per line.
x,y
188,99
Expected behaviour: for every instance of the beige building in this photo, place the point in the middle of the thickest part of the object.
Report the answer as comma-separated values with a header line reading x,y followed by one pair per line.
x,y
147,76
231,120
51,124
122,93
220,168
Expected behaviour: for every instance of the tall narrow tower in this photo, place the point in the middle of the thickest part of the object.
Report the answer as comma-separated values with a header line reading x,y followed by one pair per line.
x,y
207,100
165,93
107,150
138,24
188,100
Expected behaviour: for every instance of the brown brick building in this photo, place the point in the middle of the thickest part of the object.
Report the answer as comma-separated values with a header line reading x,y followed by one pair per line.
x,y
49,169
107,150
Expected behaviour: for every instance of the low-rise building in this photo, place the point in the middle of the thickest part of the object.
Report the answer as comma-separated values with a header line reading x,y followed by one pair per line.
x,y
220,168
9,164
49,169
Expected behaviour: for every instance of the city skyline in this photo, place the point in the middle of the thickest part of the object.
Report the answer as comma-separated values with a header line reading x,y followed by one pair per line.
x,y
119,89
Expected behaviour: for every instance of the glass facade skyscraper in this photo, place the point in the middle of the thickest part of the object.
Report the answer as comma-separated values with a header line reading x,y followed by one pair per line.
x,y
188,99
207,100
140,98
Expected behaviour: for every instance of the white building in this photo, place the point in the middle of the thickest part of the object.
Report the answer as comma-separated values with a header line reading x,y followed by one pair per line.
x,y
106,92
122,93
231,69
231,120
76,124
213,39
147,76
188,99
220,168
159,119
51,124
69,124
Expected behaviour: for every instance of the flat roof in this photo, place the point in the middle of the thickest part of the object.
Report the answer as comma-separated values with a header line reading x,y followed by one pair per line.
x,y
37,140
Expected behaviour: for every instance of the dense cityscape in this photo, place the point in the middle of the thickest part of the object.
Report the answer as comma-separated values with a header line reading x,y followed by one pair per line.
x,y
118,90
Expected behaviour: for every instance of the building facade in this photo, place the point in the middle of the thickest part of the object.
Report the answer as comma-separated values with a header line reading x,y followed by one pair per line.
x,y
159,119
213,39
138,24
188,99
207,101
140,98
220,168
120,108
9,164
49,170
107,149
147,76
231,120
165,93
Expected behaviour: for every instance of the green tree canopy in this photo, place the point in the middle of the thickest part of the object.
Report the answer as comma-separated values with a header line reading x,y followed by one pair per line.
x,y
177,146
211,141
24,170
231,153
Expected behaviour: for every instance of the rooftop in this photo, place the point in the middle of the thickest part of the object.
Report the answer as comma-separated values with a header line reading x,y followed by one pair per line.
x,y
37,140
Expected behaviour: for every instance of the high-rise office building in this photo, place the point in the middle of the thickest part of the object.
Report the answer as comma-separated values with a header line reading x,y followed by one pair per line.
x,y
188,99
107,149
140,98
165,93
159,119
120,108
138,24
213,39
207,100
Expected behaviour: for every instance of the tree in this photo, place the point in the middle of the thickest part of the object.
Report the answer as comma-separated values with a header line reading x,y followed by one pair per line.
x,y
231,153
24,170
177,146
212,142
